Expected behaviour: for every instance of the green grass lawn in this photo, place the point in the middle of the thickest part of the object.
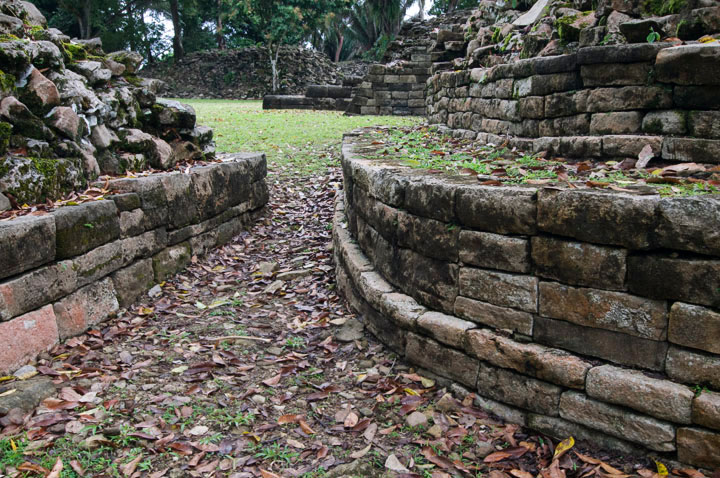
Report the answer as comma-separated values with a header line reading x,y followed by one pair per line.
x,y
292,139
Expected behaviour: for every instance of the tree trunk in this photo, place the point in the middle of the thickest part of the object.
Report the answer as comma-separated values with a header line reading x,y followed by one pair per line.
x,y
452,6
178,50
220,36
338,52
273,65
85,20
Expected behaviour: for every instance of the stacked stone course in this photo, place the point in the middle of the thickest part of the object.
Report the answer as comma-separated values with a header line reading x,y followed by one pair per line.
x,y
67,271
602,102
589,313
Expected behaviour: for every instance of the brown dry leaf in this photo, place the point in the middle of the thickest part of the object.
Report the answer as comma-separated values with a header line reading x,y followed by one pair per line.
x,y
273,381
587,459
306,428
361,453
609,469
497,456
77,467
646,154
57,469
289,419
268,474
521,474
295,443
129,468
351,420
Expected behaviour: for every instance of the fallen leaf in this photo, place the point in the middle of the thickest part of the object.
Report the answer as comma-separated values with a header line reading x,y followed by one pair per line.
x,y
393,464
361,453
57,469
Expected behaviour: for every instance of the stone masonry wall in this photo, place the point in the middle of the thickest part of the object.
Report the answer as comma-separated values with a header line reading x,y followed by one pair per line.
x,y
64,272
590,313
601,102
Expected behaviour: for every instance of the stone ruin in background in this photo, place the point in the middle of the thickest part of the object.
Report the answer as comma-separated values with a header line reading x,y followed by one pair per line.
x,y
69,113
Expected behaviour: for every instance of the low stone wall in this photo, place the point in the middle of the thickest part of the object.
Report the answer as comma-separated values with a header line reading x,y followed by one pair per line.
x,y
601,102
64,272
317,97
590,313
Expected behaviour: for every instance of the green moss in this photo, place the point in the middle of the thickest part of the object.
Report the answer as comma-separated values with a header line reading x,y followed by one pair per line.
x,y
7,82
74,52
9,37
663,7
5,133
133,80
563,27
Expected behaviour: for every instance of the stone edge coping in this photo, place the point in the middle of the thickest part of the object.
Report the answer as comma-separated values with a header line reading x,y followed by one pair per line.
x,y
395,318
682,224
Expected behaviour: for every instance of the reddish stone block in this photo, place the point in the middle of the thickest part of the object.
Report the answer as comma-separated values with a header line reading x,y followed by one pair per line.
x,y
25,337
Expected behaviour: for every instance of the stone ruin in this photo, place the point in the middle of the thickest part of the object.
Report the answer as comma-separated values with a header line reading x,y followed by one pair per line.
x,y
70,112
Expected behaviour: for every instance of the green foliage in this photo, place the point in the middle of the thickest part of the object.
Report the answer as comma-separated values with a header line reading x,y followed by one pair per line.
x,y
653,36
229,77
377,52
663,7
5,133
441,7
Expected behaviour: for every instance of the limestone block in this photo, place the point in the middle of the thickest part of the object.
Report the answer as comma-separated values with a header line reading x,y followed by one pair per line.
x,y
691,150
98,262
629,98
659,398
695,281
401,308
655,434
633,53
697,97
560,429
171,260
694,326
691,367
494,316
618,74
445,328
441,360
494,251
498,288
427,236
85,307
704,124
133,281
27,242
518,390
430,198
689,65
566,104
624,122
502,210
84,227
579,263
665,122
616,347
551,365
35,289
31,334
698,447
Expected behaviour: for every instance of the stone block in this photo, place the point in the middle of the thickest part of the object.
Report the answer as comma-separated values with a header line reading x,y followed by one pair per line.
x,y
579,263
501,209
623,122
706,410
498,288
698,447
133,281
26,242
99,262
598,216
31,334
385,330
170,261
691,150
551,365
85,307
617,74
444,328
607,310
181,200
506,412
540,85
32,290
631,388
560,429
567,125
615,347
665,122
209,187
427,236
628,98
401,308
430,197
423,275
152,195
697,97
441,360
566,104
693,367
633,53
654,434
694,326
532,107
689,65
494,251
131,223
494,316
704,124
518,390
144,245
629,146
372,287
694,281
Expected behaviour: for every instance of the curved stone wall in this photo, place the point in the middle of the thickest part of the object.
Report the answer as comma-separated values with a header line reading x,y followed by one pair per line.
x,y
601,102
584,312
64,272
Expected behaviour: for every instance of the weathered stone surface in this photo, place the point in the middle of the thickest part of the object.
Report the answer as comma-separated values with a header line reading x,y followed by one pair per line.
x,y
706,410
133,281
602,309
171,260
660,398
40,93
540,85
613,346
623,122
441,360
704,124
502,210
418,274
498,288
4,203
371,286
102,137
650,432
401,308
28,242
181,200
28,394
561,429
665,122
494,251
552,365
692,367
518,390
698,447
31,334
691,150
620,53
98,262
629,146
427,236
695,281
629,98
494,316
697,97
85,307
694,326
615,74
142,246
35,289
445,328
430,197
689,65
579,263
161,154
67,122
598,217
84,227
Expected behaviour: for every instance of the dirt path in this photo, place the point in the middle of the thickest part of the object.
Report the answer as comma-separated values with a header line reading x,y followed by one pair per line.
x,y
169,389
